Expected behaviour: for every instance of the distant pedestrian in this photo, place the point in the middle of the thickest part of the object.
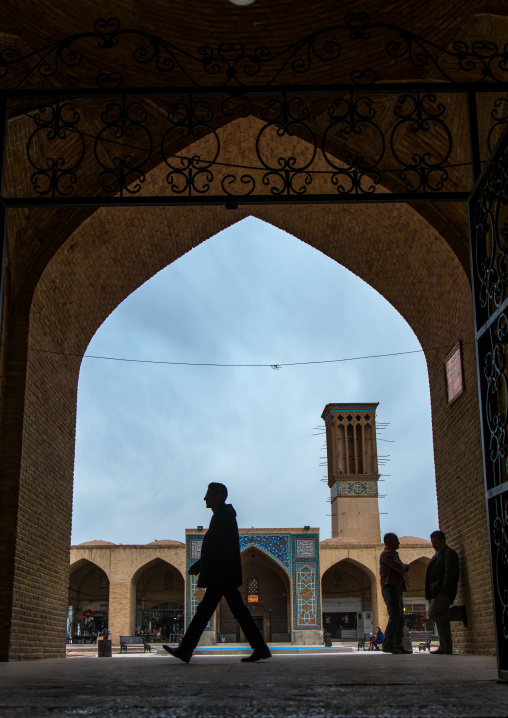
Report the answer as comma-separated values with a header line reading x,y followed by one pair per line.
x,y
327,639
220,572
392,572
441,583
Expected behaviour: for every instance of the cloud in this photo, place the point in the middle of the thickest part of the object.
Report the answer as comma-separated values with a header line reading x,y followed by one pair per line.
x,y
150,437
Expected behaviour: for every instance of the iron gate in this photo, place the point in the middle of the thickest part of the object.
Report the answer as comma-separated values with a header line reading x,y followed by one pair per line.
x,y
488,216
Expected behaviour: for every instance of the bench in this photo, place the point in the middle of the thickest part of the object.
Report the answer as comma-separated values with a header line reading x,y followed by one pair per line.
x,y
363,644
134,642
423,638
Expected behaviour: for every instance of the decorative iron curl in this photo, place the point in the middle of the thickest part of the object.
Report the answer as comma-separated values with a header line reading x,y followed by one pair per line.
x,y
421,114
353,116
490,239
499,114
57,128
359,182
286,117
191,119
124,158
496,395
231,63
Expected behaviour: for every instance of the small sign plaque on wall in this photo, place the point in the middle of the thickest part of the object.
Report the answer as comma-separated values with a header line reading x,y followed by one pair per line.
x,y
454,375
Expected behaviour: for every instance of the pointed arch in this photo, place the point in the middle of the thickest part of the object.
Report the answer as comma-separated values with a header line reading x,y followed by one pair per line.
x,y
158,589
88,603
349,598
270,606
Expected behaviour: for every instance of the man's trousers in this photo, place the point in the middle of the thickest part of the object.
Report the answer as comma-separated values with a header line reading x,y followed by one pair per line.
x,y
442,613
394,630
204,612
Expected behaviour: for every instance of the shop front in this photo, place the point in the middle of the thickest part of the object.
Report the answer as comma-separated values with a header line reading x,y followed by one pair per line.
x,y
83,626
88,604
162,622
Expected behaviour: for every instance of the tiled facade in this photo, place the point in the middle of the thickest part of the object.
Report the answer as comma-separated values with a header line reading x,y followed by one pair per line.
x,y
307,561
193,594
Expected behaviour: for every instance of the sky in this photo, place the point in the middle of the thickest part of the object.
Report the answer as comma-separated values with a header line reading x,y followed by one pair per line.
x,y
150,437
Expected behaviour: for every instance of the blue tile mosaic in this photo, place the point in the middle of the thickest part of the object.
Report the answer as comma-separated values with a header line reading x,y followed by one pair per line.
x,y
192,592
275,545
306,582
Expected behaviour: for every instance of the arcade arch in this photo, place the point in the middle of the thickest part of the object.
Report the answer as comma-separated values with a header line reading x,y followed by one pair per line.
x,y
159,588
88,603
416,606
270,605
348,591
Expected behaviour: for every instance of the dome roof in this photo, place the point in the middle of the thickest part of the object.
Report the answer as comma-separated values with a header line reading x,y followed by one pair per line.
x,y
338,541
413,539
165,542
96,543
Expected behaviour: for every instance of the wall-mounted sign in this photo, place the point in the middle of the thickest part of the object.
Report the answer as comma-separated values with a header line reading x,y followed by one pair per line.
x,y
252,598
454,375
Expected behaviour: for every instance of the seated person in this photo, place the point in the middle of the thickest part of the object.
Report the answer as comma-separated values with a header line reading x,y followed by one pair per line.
x,y
376,640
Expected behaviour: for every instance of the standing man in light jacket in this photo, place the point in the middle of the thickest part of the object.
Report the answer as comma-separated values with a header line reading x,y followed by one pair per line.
x,y
220,572
392,572
441,583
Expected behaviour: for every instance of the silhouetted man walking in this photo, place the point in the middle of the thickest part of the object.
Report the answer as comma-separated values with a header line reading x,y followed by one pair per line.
x,y
220,572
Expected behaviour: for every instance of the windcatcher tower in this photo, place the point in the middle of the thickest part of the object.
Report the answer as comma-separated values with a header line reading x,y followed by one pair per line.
x,y
353,471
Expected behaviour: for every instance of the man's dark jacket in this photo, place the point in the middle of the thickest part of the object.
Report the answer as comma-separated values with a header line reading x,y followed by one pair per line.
x,y
442,574
220,564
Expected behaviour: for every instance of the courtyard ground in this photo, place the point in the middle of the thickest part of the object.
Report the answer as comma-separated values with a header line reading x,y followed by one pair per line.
x,y
286,686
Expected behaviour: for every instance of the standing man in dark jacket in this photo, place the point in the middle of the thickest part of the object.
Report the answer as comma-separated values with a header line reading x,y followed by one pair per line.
x,y
441,583
220,572
392,572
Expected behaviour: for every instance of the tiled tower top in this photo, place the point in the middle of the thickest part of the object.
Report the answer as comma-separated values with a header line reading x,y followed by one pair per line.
x,y
348,407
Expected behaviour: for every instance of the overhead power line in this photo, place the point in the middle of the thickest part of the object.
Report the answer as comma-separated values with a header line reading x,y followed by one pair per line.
x,y
216,364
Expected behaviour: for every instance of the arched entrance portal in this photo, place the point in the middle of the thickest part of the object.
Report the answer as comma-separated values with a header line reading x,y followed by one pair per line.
x,y
39,452
160,592
69,292
416,607
117,243
88,602
347,605
266,591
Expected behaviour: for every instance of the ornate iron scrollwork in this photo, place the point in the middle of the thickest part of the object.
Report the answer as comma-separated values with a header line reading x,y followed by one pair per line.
x,y
489,268
233,63
422,114
354,116
499,115
355,143
190,121
57,131
288,171
123,147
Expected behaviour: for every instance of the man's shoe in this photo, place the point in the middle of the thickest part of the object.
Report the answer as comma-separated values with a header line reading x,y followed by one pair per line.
x,y
256,656
401,650
174,652
440,652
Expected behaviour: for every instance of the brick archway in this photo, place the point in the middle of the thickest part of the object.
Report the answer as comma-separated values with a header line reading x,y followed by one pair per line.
x,y
349,581
116,250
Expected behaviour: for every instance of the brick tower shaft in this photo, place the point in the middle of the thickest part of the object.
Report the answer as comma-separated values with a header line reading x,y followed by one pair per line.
x,y
353,473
